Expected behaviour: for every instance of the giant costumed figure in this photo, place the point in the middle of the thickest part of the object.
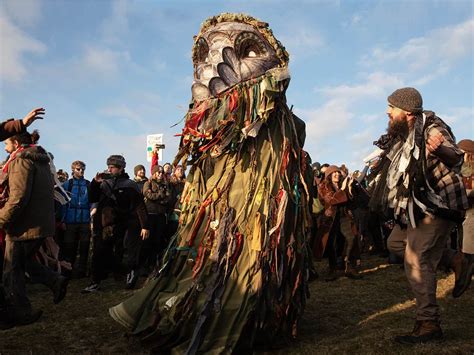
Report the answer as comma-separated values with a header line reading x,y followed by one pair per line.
x,y
235,273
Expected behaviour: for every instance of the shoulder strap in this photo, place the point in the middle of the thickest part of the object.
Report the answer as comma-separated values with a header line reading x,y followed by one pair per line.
x,y
70,184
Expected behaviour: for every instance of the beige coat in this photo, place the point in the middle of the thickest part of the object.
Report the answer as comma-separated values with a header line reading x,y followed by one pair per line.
x,y
29,210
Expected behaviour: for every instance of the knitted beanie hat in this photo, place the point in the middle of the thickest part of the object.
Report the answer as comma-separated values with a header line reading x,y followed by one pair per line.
x,y
138,168
408,99
116,160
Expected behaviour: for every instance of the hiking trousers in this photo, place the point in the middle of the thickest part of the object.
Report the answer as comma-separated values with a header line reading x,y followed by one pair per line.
x,y
422,247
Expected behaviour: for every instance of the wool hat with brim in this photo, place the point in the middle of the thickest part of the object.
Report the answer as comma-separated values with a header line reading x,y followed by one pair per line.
x,y
137,168
116,160
331,169
408,99
467,145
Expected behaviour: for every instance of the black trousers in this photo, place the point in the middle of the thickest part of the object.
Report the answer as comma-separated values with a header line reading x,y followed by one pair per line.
x,y
154,246
108,252
77,234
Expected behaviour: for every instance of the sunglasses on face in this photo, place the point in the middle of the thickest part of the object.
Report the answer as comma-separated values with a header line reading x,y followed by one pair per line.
x,y
80,169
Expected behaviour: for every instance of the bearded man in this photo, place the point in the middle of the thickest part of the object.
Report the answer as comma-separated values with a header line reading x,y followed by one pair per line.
x,y
28,218
417,182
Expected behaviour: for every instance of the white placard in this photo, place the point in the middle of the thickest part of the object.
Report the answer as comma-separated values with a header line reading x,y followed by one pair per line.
x,y
151,140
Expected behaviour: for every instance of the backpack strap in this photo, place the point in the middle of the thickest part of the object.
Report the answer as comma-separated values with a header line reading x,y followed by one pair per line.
x,y
70,185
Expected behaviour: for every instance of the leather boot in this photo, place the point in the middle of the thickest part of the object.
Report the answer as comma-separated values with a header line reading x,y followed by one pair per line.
x,y
462,265
350,272
331,275
425,331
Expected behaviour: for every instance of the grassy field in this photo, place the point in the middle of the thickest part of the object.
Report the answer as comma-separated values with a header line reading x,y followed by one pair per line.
x,y
344,317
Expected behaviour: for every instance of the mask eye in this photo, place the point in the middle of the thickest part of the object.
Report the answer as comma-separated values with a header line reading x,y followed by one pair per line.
x,y
201,51
249,45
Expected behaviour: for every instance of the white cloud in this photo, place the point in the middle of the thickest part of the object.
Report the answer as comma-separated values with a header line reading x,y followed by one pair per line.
x,y
356,20
362,137
337,112
429,56
141,107
335,129
459,115
121,111
14,45
24,12
303,38
116,27
330,118
370,118
375,85
105,61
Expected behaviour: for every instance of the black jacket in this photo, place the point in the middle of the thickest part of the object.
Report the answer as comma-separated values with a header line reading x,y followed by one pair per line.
x,y
119,202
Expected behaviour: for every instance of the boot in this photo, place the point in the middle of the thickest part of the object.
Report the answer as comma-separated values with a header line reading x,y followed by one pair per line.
x,y
60,289
462,265
331,275
350,272
425,331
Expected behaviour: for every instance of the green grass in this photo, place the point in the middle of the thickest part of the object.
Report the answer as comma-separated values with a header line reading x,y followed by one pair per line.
x,y
343,317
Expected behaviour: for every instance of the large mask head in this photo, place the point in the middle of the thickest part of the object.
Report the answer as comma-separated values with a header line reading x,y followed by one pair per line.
x,y
232,48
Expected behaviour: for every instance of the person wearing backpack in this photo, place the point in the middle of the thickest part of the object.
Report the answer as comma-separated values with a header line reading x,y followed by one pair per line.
x,y
77,220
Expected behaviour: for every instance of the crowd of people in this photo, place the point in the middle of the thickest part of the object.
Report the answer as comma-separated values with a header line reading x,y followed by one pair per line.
x,y
54,228
129,220
120,225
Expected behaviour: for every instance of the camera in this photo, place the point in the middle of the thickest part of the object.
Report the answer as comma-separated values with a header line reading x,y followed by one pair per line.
x,y
160,146
105,175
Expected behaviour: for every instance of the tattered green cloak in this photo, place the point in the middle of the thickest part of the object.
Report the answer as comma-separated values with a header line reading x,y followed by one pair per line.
x,y
235,274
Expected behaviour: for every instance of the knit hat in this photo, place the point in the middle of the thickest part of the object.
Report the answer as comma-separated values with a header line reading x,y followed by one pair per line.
x,y
331,169
155,169
467,145
116,160
138,168
408,99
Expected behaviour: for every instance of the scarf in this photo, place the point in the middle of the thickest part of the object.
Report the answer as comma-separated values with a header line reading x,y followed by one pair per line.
x,y
218,124
399,183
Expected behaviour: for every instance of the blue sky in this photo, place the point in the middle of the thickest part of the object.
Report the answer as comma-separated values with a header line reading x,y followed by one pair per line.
x,y
111,72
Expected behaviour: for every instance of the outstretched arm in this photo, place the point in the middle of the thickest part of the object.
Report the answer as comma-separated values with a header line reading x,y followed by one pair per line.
x,y
33,115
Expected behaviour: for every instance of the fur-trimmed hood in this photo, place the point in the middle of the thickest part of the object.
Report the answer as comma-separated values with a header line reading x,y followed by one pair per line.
x,y
36,154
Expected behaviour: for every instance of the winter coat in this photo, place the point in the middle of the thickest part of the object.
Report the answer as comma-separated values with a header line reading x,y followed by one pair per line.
x,y
158,196
78,209
119,202
29,211
331,200
177,187
10,128
140,183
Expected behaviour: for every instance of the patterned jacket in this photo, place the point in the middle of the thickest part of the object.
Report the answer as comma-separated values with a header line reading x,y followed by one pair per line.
x,y
445,180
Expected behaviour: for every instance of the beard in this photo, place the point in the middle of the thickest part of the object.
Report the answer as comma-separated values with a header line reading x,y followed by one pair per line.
x,y
398,128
